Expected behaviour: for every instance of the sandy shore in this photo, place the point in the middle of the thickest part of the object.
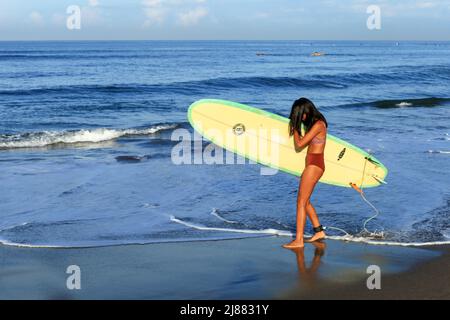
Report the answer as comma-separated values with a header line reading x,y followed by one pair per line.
x,y
423,281
255,268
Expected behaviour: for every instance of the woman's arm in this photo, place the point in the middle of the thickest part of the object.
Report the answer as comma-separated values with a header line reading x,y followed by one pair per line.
x,y
301,142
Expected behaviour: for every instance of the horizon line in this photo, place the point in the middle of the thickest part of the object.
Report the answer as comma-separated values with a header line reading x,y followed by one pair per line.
x,y
303,40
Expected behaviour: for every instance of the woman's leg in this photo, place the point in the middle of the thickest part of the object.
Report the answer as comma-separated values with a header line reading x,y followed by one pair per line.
x,y
310,176
311,212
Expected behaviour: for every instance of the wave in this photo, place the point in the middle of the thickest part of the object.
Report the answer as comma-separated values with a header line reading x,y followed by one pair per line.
x,y
138,158
326,81
215,213
26,245
132,159
395,76
33,74
404,104
77,90
302,54
446,137
70,57
87,54
421,102
276,232
400,103
246,233
277,82
186,87
269,231
48,138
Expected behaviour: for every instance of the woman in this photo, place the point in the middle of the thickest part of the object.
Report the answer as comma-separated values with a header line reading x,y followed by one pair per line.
x,y
304,111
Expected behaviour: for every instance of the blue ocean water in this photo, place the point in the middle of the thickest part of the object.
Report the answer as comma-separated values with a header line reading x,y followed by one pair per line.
x,y
85,139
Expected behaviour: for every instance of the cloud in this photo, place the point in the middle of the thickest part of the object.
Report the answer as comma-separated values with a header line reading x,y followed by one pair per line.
x,y
93,14
152,3
36,18
425,5
154,11
192,17
184,12
391,8
154,15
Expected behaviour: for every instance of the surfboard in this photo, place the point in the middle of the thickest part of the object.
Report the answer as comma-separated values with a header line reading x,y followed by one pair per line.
x,y
263,137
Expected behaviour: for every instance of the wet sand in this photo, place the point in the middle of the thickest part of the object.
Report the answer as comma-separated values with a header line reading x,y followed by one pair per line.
x,y
428,280
255,268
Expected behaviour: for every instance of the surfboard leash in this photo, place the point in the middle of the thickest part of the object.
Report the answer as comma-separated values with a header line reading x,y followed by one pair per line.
x,y
361,192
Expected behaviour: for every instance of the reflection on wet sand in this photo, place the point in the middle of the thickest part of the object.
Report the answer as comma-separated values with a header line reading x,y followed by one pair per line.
x,y
307,276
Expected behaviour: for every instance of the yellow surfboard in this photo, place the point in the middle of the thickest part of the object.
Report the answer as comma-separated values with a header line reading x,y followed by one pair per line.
x,y
263,137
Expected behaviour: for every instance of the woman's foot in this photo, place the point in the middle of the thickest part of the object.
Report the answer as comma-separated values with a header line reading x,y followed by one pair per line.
x,y
294,244
317,237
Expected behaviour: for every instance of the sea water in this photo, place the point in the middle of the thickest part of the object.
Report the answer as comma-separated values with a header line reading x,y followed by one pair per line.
x,y
86,139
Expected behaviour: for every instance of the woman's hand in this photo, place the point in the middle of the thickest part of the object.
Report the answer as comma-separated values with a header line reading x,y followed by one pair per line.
x,y
298,141
302,141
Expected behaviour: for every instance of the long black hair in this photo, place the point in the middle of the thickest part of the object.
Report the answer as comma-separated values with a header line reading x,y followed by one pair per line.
x,y
299,108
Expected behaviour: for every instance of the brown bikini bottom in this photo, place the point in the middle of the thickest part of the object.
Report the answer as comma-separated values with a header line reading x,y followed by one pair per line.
x,y
316,159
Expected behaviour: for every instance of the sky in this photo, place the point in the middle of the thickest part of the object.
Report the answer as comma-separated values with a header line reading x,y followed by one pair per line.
x,y
224,20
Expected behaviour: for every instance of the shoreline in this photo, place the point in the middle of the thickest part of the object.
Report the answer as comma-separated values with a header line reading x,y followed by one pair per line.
x,y
251,268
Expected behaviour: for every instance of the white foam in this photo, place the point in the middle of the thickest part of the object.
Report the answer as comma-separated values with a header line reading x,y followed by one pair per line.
x,y
263,231
14,226
46,138
347,237
150,205
446,233
404,104
216,214
22,245
386,243
269,232
439,151
26,245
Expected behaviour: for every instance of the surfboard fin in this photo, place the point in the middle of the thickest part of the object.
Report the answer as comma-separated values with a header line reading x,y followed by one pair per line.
x,y
373,161
379,179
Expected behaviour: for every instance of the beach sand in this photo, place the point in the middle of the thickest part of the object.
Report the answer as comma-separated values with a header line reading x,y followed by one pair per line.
x,y
252,268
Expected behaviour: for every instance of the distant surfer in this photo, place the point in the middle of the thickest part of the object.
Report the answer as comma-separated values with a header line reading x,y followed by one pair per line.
x,y
317,54
315,124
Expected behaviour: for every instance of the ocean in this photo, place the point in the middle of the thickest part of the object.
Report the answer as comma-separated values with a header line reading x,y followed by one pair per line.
x,y
86,139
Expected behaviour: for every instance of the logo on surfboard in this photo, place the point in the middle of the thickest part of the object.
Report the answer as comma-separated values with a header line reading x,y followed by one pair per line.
x,y
341,154
239,129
